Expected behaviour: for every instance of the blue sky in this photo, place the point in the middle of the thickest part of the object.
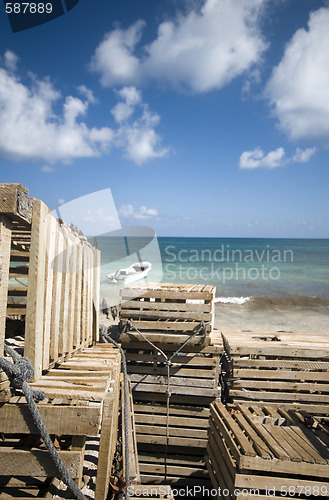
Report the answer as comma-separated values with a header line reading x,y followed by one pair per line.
x,y
204,118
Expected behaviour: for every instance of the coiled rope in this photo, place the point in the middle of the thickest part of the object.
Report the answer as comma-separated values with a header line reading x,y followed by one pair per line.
x,y
19,373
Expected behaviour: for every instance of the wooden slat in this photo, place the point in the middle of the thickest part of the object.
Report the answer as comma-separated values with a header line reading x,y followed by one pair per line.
x,y
161,293
36,462
192,391
36,291
181,326
77,341
278,396
16,309
64,314
150,315
96,293
71,420
57,294
14,202
276,374
107,441
136,305
17,291
49,279
72,283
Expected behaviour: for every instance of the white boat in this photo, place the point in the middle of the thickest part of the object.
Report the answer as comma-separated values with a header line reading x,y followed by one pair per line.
x,y
135,272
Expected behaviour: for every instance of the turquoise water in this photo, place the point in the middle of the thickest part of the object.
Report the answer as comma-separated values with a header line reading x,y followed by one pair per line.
x,y
250,267
261,284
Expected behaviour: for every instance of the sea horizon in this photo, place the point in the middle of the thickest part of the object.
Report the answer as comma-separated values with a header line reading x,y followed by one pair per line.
x,y
282,284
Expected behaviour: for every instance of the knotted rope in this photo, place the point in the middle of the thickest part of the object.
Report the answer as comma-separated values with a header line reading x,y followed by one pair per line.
x,y
19,373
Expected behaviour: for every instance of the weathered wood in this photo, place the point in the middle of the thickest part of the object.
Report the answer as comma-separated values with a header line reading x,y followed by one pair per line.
x,y
77,341
136,314
5,242
36,462
284,450
96,293
57,293
50,223
14,202
36,291
107,441
176,338
165,306
193,391
134,473
169,291
168,309
71,420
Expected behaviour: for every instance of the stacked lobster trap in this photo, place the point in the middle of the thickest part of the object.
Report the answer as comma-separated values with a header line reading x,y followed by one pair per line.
x,y
49,301
173,362
288,369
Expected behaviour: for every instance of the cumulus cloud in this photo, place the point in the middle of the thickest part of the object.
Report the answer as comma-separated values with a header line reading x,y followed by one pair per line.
x,y
137,137
274,159
10,60
114,58
128,211
303,155
124,109
87,93
31,130
257,159
298,88
199,51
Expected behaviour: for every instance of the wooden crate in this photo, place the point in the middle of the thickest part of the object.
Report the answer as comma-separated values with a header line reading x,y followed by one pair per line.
x,y
82,399
267,452
49,280
289,369
168,310
173,454
193,373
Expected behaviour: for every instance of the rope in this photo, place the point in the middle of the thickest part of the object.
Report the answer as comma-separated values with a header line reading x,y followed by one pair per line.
x,y
105,336
19,373
168,362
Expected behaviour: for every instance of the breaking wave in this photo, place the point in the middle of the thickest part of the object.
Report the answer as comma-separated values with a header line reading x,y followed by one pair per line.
x,y
272,302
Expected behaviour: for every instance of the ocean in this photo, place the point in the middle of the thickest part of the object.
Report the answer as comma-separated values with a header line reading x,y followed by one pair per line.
x,y
263,285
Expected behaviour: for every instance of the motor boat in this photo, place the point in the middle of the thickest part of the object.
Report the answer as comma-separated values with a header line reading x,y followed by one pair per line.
x,y
135,272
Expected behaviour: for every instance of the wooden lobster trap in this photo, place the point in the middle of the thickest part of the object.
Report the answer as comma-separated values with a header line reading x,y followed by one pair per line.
x,y
168,312
261,452
49,301
282,369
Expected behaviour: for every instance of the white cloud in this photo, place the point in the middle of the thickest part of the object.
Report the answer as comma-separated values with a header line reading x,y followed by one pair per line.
x,y
299,86
303,155
200,51
30,129
47,169
137,138
61,201
114,57
128,211
124,109
274,159
257,159
87,93
10,60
